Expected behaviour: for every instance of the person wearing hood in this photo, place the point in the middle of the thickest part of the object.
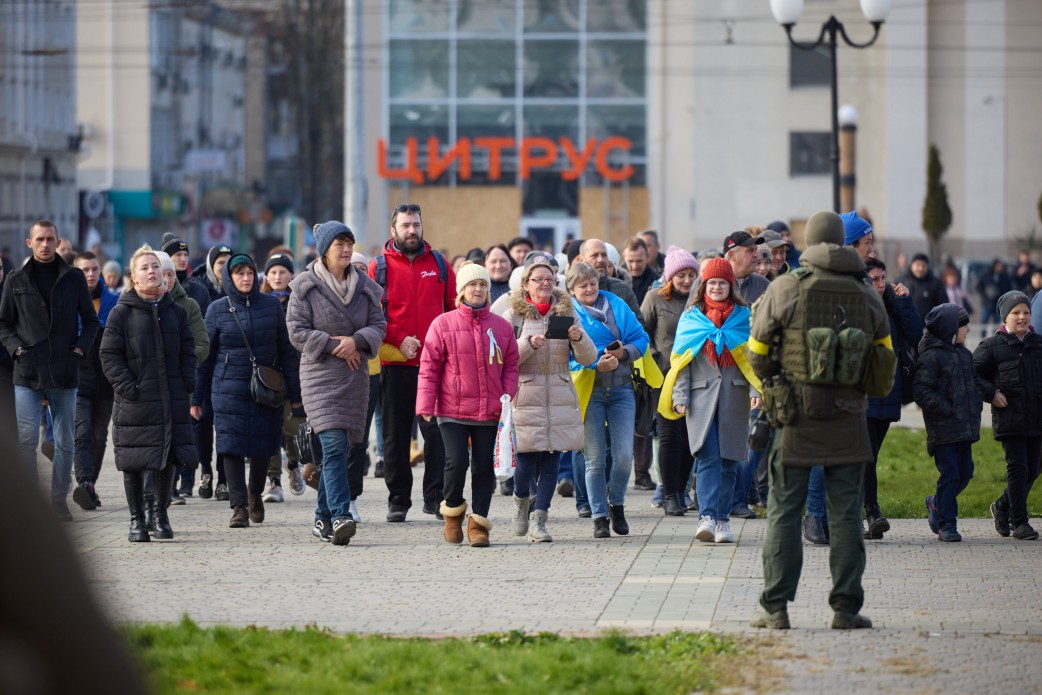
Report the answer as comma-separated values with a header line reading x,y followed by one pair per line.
x,y
148,355
821,420
245,327
927,289
1009,364
178,293
177,249
336,320
948,390
209,275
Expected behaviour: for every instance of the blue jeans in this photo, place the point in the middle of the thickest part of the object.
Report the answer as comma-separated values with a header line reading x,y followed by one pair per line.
x,y
955,464
28,403
540,467
617,408
746,471
334,493
714,477
578,475
816,492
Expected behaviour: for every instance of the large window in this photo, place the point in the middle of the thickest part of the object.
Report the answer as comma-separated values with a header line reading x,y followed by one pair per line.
x,y
464,70
809,154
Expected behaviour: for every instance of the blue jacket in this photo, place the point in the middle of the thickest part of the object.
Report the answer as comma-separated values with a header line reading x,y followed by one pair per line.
x,y
243,427
906,328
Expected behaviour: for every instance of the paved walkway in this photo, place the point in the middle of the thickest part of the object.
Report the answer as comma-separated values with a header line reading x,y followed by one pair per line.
x,y
952,618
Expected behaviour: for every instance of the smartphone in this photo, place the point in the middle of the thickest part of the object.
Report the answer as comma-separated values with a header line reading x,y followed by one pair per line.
x,y
557,327
613,346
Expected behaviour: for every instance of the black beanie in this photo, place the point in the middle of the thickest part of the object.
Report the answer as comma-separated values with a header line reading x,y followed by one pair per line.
x,y
573,249
280,259
172,244
216,252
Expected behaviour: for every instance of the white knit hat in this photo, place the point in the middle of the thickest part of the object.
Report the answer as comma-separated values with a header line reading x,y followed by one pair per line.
x,y
165,262
469,272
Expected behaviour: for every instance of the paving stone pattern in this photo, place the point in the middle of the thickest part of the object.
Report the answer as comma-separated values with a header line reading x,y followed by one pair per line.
x,y
963,617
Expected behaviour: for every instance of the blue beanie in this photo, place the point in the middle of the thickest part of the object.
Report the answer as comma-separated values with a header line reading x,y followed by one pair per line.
x,y
326,232
854,227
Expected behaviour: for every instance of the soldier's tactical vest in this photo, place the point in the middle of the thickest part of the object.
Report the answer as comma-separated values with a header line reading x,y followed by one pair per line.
x,y
828,339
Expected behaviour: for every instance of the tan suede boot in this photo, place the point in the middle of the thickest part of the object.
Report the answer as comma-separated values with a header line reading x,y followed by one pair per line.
x,y
453,522
477,531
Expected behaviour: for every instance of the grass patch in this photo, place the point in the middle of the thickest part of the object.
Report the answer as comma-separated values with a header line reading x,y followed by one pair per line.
x,y
907,474
187,658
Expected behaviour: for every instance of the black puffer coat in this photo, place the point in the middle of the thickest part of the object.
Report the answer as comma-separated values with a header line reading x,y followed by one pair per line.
x,y
148,355
245,428
1006,363
946,386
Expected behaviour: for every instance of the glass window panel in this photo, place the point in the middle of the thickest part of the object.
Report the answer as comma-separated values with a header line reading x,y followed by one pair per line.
x,y
486,15
419,121
419,15
809,154
612,15
551,68
488,122
615,69
809,68
628,122
485,69
419,69
552,122
551,16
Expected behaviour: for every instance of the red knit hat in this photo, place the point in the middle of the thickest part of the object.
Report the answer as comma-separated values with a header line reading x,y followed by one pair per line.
x,y
719,269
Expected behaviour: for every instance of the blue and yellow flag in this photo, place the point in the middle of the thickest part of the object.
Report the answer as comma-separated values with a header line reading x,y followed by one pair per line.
x,y
693,330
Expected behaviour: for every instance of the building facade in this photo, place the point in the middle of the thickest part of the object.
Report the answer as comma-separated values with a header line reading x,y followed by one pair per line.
x,y
484,113
39,135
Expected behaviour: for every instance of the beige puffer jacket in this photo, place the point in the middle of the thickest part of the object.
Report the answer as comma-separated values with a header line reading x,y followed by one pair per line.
x,y
546,408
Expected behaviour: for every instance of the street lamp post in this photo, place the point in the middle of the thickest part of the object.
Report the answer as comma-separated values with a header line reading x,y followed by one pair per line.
x,y
787,13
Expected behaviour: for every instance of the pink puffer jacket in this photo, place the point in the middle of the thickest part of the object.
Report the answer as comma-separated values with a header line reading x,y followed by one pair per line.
x,y
457,379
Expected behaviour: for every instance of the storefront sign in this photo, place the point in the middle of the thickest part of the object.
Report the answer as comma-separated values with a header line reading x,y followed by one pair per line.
x,y
533,153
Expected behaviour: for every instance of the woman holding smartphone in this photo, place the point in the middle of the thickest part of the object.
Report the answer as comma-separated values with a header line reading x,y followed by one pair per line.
x,y
546,408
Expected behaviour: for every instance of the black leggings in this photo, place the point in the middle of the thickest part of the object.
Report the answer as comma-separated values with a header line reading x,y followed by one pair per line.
x,y
482,475
235,467
674,454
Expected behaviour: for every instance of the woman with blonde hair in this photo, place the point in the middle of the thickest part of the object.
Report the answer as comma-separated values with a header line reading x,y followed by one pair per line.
x,y
148,355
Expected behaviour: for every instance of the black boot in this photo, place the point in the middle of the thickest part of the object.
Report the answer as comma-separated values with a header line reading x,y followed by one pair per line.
x,y
150,515
133,485
164,488
618,520
814,530
877,523
673,504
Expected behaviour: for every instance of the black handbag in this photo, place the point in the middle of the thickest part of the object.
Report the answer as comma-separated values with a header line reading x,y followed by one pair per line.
x,y
267,387
309,448
647,403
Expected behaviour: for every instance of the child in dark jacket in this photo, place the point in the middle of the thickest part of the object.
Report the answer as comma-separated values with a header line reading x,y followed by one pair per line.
x,y
946,388
1009,364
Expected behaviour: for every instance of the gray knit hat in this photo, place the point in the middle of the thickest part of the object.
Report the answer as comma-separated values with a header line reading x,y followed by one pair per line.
x,y
326,232
1009,300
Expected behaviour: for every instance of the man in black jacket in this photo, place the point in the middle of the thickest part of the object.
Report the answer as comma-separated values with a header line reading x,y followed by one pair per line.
x,y
926,289
47,324
194,287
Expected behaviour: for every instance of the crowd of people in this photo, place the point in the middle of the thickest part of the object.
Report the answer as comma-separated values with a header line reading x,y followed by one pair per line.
x,y
767,377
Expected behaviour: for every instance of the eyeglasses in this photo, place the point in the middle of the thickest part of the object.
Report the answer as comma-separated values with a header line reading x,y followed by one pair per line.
x,y
881,280
542,281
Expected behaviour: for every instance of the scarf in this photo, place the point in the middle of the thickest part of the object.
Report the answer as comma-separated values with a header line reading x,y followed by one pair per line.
x,y
543,309
717,312
345,290
150,295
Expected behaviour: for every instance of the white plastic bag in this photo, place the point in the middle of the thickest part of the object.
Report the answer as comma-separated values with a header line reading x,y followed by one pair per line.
x,y
506,442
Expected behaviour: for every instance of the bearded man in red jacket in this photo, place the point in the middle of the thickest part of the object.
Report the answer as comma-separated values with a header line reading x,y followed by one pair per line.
x,y
418,286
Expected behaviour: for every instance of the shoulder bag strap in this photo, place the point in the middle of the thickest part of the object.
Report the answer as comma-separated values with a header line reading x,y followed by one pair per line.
x,y
231,310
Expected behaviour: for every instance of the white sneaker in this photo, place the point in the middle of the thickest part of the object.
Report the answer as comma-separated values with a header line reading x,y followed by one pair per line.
x,y
723,532
274,492
706,529
353,511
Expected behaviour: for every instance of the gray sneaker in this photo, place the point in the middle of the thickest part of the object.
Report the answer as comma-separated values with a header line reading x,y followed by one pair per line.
x,y
274,492
343,530
353,511
296,481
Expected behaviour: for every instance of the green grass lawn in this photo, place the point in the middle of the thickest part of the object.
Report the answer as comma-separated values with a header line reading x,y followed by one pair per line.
x,y
907,474
187,658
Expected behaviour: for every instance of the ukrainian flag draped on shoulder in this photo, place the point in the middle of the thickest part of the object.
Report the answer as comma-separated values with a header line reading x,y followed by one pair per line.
x,y
693,330
631,333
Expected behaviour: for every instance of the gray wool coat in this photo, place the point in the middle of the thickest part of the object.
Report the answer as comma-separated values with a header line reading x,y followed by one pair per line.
x,y
710,391
335,397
